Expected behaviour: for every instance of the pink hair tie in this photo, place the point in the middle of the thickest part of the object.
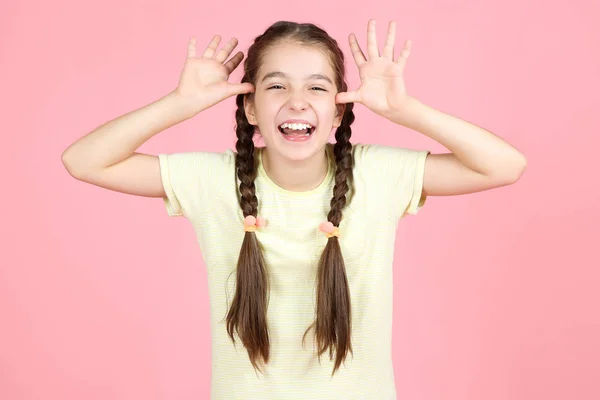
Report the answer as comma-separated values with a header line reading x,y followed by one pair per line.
x,y
329,229
251,223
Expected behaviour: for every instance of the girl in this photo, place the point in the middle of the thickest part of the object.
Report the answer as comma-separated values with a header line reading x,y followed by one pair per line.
x,y
298,235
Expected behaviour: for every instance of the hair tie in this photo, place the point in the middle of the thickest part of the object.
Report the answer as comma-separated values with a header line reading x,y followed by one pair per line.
x,y
329,229
251,223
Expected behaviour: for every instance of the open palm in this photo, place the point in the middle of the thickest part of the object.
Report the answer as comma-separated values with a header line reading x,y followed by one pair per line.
x,y
205,77
382,88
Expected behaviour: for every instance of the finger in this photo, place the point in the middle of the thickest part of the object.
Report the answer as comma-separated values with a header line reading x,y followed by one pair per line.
x,y
234,61
347,97
212,46
226,50
403,57
388,49
191,51
372,49
240,88
357,53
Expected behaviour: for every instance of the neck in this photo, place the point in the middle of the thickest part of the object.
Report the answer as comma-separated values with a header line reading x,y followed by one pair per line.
x,y
296,176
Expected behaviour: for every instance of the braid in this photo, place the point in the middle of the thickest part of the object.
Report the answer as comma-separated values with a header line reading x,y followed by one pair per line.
x,y
343,158
333,324
248,312
244,162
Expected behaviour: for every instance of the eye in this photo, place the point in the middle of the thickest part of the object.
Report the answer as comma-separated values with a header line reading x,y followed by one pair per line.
x,y
279,86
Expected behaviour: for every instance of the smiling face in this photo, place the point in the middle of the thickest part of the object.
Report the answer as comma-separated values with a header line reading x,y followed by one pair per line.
x,y
295,83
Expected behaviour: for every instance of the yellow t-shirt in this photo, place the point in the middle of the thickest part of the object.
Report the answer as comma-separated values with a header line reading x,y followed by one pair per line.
x,y
388,181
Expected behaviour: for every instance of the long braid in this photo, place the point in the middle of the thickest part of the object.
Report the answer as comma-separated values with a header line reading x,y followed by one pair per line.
x,y
333,324
248,311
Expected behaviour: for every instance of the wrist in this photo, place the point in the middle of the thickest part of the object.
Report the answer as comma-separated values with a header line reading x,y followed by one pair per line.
x,y
408,114
183,106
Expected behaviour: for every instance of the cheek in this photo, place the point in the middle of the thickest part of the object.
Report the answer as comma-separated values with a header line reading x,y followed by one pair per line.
x,y
266,112
328,113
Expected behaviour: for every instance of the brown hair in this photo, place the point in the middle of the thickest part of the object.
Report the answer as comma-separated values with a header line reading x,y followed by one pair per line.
x,y
248,312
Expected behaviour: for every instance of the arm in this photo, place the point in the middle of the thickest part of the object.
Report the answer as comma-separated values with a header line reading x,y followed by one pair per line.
x,y
479,160
105,157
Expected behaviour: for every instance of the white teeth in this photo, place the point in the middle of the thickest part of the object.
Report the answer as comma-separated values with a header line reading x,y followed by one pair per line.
x,y
299,127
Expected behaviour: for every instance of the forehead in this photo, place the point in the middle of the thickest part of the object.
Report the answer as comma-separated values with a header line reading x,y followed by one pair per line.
x,y
295,60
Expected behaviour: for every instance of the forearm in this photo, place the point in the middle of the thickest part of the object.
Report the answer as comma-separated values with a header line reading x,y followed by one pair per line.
x,y
118,139
477,148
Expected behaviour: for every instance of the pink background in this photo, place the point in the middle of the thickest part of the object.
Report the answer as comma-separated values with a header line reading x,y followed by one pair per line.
x,y
103,296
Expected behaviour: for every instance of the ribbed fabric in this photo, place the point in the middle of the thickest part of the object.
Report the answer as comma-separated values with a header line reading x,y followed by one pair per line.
x,y
388,181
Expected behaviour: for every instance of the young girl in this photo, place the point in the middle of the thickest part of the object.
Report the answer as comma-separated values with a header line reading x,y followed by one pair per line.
x,y
298,235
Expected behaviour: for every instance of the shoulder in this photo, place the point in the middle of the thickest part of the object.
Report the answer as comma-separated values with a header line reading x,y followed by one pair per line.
x,y
194,180
198,160
393,175
189,169
202,156
380,156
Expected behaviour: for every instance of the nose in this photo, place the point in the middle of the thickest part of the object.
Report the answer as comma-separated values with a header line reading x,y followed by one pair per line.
x,y
297,102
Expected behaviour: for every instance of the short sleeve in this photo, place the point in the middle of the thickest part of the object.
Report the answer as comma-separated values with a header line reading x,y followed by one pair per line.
x,y
395,174
192,180
171,201
413,181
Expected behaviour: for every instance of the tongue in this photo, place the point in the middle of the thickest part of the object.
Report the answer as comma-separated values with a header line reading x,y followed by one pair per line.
x,y
295,132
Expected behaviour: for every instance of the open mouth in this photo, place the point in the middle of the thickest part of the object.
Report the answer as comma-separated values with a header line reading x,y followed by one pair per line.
x,y
296,130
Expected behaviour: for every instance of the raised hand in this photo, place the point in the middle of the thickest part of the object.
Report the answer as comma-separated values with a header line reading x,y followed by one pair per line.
x,y
382,88
203,81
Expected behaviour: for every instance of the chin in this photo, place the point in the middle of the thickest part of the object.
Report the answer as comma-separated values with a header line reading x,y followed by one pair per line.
x,y
299,151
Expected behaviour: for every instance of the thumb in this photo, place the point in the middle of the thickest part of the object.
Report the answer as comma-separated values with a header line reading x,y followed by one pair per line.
x,y
240,88
347,97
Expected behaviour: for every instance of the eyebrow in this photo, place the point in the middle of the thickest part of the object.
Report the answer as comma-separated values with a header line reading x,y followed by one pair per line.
x,y
279,74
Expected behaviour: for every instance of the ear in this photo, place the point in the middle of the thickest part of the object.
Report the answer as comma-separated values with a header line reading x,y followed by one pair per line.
x,y
249,109
341,109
